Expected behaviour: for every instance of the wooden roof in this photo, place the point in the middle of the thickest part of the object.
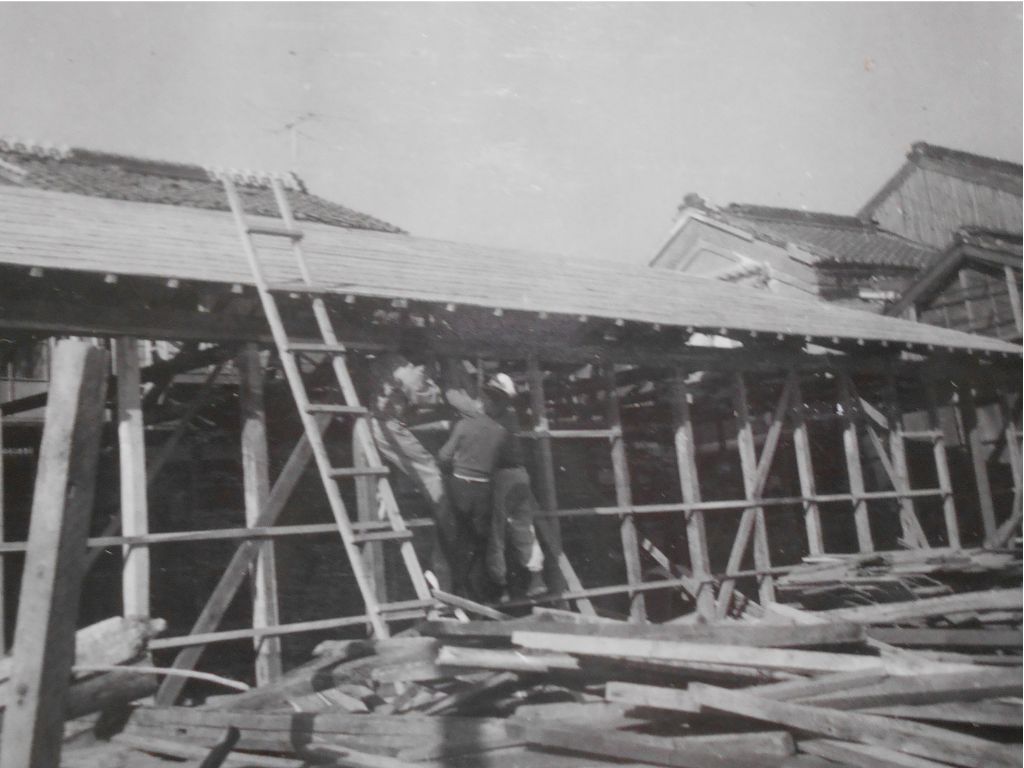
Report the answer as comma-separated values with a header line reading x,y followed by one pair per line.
x,y
63,231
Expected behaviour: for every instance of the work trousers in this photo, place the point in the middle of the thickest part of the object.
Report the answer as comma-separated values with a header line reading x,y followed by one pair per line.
x,y
471,502
403,449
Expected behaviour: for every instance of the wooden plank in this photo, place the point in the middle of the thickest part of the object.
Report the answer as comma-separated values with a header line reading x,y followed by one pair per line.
x,y
237,570
652,696
624,497
179,749
941,461
1013,289
3,602
805,470
44,640
966,602
798,661
689,482
822,684
548,489
863,755
367,511
132,456
754,635
685,752
972,428
256,486
979,713
951,638
924,689
854,470
914,738
504,660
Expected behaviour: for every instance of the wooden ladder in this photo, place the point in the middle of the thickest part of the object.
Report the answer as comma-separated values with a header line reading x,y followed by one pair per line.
x,y
315,416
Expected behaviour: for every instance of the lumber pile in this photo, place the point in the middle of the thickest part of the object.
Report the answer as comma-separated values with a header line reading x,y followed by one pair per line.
x,y
867,686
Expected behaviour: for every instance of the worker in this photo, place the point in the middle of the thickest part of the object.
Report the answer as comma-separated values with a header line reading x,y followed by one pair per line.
x,y
472,452
514,558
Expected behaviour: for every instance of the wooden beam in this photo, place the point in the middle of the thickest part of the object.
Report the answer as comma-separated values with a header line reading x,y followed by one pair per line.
x,y
624,497
367,510
913,534
972,429
894,613
562,569
755,475
44,641
925,741
131,440
854,470
805,470
1013,288
689,482
3,602
237,570
941,462
256,485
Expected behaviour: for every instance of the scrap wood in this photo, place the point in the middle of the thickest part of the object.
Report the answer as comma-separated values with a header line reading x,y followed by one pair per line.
x,y
460,698
864,755
914,738
686,752
987,713
185,751
510,660
949,638
928,689
965,602
770,659
758,635
455,601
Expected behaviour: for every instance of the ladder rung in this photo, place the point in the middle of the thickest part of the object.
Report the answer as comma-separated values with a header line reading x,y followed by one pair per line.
x,y
353,410
292,234
389,535
332,349
358,471
406,605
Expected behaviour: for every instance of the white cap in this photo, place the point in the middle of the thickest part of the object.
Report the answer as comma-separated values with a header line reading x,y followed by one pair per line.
x,y
502,382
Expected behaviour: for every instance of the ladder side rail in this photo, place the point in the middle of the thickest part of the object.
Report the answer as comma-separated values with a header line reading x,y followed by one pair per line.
x,y
309,423
361,427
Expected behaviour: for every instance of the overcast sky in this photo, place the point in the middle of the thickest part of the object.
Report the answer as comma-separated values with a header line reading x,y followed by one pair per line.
x,y
572,128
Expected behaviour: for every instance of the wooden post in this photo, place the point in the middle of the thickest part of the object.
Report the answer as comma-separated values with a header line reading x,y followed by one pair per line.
x,y
805,470
854,470
1012,434
749,467
44,641
624,496
546,484
367,511
256,483
132,453
972,429
913,534
686,462
3,561
941,461
1013,289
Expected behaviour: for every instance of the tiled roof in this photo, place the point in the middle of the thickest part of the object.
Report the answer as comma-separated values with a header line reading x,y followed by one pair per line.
x,y
956,157
831,238
50,230
118,177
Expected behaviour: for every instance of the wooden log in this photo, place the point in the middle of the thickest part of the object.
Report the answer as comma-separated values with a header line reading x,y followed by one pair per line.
x,y
966,602
687,752
624,497
256,486
44,640
132,456
689,482
926,689
914,738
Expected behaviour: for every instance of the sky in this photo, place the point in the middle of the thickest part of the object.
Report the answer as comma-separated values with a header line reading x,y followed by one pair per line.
x,y
571,128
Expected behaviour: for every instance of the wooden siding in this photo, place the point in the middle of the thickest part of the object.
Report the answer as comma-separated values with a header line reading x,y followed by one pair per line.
x,y
974,301
72,232
930,206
